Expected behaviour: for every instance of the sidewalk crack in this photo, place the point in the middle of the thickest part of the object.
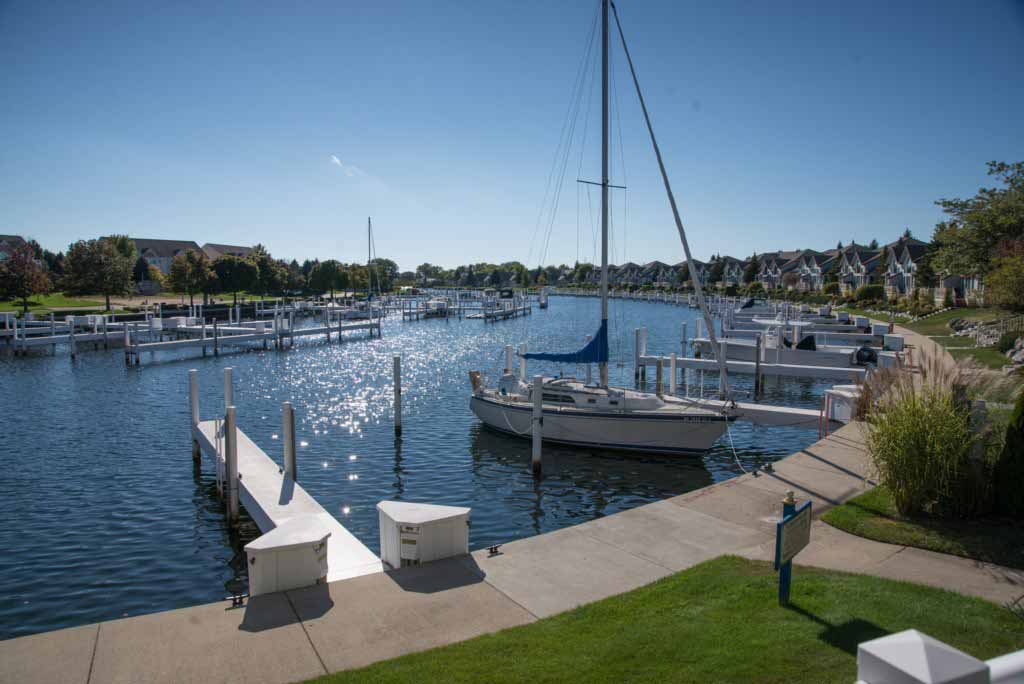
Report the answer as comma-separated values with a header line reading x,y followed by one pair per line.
x,y
95,644
306,632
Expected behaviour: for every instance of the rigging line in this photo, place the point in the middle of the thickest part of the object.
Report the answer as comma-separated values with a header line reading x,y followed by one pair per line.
x,y
574,96
698,289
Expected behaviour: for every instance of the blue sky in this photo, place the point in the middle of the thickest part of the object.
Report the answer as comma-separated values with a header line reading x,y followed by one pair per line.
x,y
783,124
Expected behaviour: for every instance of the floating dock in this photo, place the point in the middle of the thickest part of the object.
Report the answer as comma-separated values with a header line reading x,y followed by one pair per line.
x,y
272,497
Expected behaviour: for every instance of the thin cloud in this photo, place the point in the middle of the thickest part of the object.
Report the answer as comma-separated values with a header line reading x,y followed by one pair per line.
x,y
350,170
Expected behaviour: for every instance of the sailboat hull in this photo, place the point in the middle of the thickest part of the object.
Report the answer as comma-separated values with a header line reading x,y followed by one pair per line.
x,y
633,431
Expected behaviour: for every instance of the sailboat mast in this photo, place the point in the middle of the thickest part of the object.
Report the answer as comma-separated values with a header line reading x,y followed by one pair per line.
x,y
369,256
603,367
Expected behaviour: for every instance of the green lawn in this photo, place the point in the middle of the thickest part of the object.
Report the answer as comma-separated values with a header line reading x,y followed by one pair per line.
x,y
717,622
50,301
990,357
950,342
882,318
874,516
937,324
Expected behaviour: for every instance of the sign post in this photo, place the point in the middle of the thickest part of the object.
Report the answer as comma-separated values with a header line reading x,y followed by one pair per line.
x,y
792,534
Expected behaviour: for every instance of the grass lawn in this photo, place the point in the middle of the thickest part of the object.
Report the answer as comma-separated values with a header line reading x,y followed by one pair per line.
x,y
990,357
717,622
50,301
882,318
937,324
874,516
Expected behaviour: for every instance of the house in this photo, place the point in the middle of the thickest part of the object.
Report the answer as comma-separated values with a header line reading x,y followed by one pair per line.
x,y
858,266
732,274
774,265
626,274
702,270
8,243
963,290
656,273
902,258
811,269
161,253
213,251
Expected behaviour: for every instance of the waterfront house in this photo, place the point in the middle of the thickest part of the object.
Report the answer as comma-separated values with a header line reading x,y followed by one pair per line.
x,y
656,273
774,265
902,258
213,251
732,274
161,253
858,267
8,243
811,269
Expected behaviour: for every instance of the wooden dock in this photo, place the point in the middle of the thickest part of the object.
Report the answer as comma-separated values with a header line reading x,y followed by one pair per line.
x,y
271,499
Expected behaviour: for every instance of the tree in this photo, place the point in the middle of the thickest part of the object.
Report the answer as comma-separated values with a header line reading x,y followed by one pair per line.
x,y
140,271
790,280
684,274
235,274
873,244
326,276
978,227
270,275
296,277
1004,284
839,246
907,234
582,272
750,273
385,272
102,266
717,271
22,275
190,273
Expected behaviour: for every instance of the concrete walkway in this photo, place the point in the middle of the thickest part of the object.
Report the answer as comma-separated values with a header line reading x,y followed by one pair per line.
x,y
299,634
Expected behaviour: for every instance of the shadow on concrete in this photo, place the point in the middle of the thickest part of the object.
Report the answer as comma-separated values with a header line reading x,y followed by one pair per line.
x,y
268,611
845,636
817,495
832,464
438,576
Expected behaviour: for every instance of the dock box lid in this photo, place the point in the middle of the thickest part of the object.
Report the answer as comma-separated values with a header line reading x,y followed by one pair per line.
x,y
300,531
411,513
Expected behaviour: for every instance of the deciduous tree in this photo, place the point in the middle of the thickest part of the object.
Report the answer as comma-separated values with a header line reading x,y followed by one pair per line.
x,y
190,273
22,275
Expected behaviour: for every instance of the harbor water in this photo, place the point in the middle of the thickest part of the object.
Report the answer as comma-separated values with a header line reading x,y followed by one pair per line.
x,y
107,516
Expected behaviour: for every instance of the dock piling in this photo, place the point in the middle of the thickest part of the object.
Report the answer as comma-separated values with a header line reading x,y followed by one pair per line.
x,y
522,362
657,377
508,359
538,423
231,462
193,401
288,432
397,374
683,340
672,373
589,373
757,366
229,390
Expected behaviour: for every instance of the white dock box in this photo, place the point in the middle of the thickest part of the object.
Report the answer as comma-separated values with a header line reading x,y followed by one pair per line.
x,y
893,343
414,533
879,329
290,556
842,316
862,321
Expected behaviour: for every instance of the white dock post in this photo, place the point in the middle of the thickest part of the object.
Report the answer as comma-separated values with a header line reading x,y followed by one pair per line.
x,y
721,375
537,423
291,327
216,346
636,354
683,340
127,344
757,365
288,431
193,402
643,353
589,365
657,377
202,334
672,373
396,372
508,359
231,462
522,362
698,328
53,325
106,340
229,390
71,335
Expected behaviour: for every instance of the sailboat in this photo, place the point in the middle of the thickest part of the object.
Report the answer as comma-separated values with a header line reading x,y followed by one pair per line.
x,y
595,415
366,310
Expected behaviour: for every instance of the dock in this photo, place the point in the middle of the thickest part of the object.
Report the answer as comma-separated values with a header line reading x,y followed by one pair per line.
x,y
271,493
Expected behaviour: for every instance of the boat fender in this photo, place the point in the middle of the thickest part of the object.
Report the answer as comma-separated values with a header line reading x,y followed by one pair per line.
x,y
866,355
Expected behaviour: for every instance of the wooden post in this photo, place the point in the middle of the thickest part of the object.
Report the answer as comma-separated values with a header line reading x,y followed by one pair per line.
x,y
396,372
537,423
672,373
229,390
288,432
231,462
193,402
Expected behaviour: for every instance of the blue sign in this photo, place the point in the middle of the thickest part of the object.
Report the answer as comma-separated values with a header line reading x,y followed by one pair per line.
x,y
792,534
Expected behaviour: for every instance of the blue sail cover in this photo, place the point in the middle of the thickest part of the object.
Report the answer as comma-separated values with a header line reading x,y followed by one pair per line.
x,y
596,351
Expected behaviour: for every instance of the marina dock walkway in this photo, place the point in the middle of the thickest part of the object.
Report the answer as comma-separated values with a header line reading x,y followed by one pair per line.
x,y
293,635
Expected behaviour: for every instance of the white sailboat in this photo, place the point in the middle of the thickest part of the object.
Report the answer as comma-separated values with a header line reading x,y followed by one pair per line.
x,y
596,415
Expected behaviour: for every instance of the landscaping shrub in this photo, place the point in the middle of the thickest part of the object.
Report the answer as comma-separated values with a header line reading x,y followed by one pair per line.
x,y
922,442
830,289
872,292
1009,469
1006,342
947,301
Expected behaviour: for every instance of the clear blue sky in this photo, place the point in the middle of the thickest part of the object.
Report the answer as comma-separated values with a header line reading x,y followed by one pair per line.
x,y
783,124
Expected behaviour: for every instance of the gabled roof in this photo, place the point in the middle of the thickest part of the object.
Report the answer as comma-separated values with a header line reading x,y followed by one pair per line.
x,y
164,248
214,250
13,240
